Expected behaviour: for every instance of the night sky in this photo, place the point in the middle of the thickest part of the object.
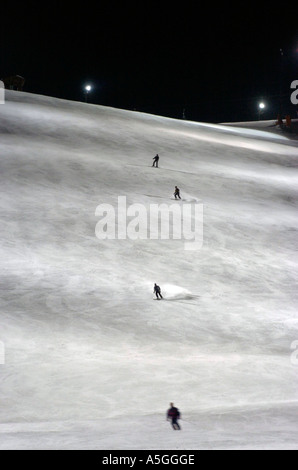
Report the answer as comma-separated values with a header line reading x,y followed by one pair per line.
x,y
214,64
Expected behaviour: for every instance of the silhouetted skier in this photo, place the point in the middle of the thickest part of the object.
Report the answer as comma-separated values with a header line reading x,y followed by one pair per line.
x,y
174,414
177,193
157,291
155,162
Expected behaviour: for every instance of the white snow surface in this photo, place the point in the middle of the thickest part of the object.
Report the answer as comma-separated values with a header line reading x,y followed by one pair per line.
x,y
91,361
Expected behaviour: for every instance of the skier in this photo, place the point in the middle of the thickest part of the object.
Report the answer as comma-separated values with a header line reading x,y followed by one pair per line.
x,y
174,414
177,193
157,291
155,162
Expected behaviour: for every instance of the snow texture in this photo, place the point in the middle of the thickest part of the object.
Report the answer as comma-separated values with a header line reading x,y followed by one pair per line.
x,y
89,360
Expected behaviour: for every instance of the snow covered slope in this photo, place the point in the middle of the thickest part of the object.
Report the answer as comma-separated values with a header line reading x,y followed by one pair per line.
x,y
91,361
269,126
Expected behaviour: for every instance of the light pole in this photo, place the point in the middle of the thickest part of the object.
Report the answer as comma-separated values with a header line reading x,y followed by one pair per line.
x,y
261,109
88,88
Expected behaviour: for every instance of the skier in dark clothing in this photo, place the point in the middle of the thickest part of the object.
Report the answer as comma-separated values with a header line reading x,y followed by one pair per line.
x,y
157,291
177,193
155,160
174,414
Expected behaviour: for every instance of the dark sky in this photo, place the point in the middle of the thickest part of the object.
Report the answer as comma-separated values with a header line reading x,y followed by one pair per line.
x,y
214,62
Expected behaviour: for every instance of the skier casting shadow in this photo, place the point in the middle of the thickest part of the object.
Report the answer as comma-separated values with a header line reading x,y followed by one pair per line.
x,y
177,193
155,160
174,414
157,292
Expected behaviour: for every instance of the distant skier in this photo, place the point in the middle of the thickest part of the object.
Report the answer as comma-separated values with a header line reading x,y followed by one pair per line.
x,y
155,160
157,291
177,193
174,414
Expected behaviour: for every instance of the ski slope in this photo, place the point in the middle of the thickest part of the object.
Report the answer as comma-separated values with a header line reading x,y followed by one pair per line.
x,y
91,360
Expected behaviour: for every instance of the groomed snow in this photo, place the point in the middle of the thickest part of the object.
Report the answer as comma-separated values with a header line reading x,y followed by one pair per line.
x,y
91,360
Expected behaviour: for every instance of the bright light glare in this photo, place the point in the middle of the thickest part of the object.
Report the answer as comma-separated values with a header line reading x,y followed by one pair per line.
x,y
88,88
261,105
